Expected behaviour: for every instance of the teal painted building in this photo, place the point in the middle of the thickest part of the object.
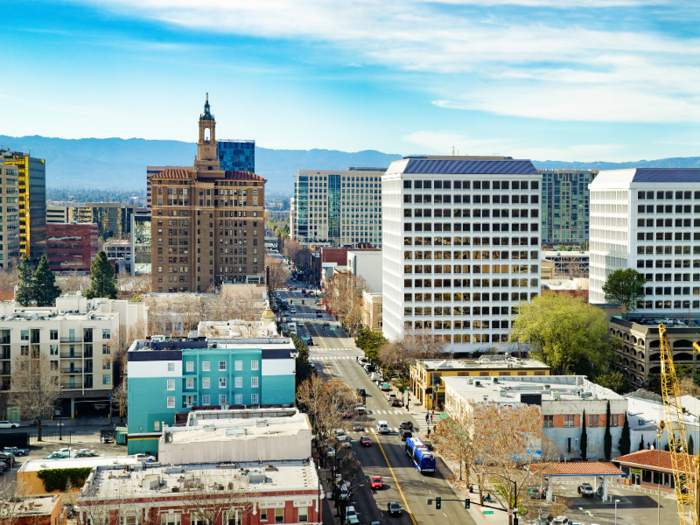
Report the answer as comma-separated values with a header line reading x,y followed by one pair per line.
x,y
171,377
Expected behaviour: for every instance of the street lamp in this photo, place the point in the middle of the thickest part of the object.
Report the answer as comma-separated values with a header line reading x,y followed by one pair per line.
x,y
515,490
587,513
616,502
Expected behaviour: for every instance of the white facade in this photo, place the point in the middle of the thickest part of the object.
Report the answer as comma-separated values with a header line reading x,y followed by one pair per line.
x,y
648,220
461,246
368,265
9,215
337,208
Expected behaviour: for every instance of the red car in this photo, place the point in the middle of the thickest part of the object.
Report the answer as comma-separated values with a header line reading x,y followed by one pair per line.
x,y
365,441
377,482
347,415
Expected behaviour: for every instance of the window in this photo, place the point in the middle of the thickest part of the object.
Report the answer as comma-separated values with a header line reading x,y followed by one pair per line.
x,y
238,399
222,399
205,366
254,382
593,420
303,514
156,426
238,382
171,384
206,382
569,420
105,333
24,335
189,383
615,420
189,366
206,399
171,367
263,514
105,349
253,399
548,421
54,335
279,515
106,379
222,382
239,365
53,349
255,365
222,366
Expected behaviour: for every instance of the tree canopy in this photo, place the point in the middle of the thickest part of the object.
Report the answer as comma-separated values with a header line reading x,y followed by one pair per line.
x,y
45,289
565,333
370,342
103,278
25,285
625,286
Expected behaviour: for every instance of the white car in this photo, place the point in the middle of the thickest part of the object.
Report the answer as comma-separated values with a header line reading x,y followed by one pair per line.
x,y
8,424
560,520
143,457
331,452
340,435
350,511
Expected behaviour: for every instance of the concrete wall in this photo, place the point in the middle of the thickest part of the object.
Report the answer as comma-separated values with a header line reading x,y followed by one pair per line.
x,y
368,265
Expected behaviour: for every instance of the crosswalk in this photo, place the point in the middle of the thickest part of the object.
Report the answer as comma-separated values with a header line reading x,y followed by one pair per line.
x,y
332,358
324,349
387,412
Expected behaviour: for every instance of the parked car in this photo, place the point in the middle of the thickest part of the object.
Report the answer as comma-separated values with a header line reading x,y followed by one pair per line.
x,y
347,415
375,376
362,392
394,508
396,402
85,453
385,387
340,435
360,408
143,457
405,434
586,490
56,455
17,451
331,452
389,397
408,425
8,424
365,441
559,520
376,482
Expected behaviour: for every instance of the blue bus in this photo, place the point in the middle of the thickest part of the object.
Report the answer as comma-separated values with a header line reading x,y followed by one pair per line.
x,y
422,458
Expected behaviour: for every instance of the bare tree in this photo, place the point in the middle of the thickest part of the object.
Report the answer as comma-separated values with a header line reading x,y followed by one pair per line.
x,y
133,285
279,273
343,292
73,282
35,387
415,345
9,277
292,249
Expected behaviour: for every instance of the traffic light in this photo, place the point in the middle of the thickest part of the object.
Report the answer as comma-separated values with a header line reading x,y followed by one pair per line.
x,y
467,503
438,503
428,501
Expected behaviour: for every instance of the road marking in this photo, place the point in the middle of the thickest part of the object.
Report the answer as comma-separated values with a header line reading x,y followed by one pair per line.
x,y
327,369
408,509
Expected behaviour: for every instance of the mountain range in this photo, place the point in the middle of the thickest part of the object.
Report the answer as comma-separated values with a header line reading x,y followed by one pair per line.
x,y
121,163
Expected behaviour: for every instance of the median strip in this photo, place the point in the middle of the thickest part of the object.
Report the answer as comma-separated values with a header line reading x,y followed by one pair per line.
x,y
408,509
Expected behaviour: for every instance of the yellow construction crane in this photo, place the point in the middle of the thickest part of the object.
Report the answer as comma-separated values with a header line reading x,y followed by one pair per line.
x,y
686,483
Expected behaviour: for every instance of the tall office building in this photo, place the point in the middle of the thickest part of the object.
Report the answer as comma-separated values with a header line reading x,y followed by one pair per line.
x,y
140,242
32,202
9,215
236,155
207,225
338,208
565,206
461,247
649,220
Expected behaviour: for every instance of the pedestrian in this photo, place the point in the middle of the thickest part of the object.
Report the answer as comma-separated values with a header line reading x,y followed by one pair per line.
x,y
427,417
428,431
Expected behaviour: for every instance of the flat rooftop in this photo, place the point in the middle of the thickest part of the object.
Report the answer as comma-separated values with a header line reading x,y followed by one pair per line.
x,y
28,507
511,389
160,481
34,465
482,363
264,343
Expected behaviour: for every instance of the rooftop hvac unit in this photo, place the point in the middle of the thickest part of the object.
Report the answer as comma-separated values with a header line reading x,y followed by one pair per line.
x,y
477,383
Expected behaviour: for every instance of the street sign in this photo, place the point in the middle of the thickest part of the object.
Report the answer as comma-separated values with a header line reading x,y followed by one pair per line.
x,y
484,512
510,512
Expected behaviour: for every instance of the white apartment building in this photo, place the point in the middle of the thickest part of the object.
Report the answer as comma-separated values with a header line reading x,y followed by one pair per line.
x,y
461,246
337,208
648,219
9,215
77,336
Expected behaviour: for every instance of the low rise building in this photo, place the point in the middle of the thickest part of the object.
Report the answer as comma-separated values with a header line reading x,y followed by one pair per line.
x,y
426,376
117,249
219,436
70,247
77,336
562,401
47,510
171,377
372,311
651,469
568,264
367,264
226,493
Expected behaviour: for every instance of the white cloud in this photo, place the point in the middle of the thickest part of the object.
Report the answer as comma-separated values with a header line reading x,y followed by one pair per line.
x,y
521,68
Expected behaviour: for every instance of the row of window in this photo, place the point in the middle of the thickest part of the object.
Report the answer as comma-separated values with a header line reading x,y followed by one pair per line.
x,y
668,223
428,297
467,255
684,277
470,184
478,283
461,310
466,227
667,195
666,236
666,290
471,199
667,305
223,399
594,420
223,382
472,241
458,338
660,208
468,213
667,263
206,366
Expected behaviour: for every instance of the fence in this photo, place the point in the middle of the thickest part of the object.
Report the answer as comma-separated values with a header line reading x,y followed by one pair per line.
x,y
50,436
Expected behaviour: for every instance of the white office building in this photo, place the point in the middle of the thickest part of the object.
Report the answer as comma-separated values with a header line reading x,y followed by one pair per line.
x,y
337,208
461,246
648,219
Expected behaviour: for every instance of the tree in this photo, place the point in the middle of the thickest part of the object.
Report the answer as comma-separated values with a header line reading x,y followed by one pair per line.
x,y
625,286
614,380
9,277
625,443
343,292
607,436
584,438
691,445
279,273
103,278
565,333
304,368
35,387
370,342
415,345
641,443
25,285
45,289
584,245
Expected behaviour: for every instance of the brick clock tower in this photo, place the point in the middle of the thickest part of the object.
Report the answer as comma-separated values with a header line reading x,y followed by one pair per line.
x,y
207,157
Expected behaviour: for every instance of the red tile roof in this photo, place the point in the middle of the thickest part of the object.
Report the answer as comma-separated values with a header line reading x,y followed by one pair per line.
x,y
661,459
7,296
576,468
172,173
243,175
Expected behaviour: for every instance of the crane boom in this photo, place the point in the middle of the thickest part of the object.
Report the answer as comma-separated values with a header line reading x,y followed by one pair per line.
x,y
681,462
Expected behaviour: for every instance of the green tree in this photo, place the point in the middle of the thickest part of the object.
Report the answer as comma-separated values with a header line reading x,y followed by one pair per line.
x,y
613,380
370,342
304,368
25,286
584,245
45,289
103,278
607,437
583,446
691,445
565,333
625,443
641,443
625,286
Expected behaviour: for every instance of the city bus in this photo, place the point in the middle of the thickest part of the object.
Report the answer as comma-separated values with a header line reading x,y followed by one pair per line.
x,y
422,458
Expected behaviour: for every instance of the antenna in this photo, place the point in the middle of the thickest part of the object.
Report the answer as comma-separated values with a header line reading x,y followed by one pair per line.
x,y
453,151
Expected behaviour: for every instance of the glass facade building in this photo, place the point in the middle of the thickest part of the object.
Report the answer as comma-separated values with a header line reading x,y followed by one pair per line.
x,y
565,206
236,155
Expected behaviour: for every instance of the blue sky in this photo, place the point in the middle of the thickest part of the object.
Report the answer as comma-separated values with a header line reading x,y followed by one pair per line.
x,y
580,80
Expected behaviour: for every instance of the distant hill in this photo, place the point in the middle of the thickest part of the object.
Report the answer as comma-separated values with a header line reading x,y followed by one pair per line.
x,y
121,164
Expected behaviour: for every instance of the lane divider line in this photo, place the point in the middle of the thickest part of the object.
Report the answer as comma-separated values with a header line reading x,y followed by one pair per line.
x,y
408,509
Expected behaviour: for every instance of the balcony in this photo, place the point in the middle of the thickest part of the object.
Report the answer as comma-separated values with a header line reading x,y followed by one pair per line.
x,y
72,370
74,386
69,355
74,340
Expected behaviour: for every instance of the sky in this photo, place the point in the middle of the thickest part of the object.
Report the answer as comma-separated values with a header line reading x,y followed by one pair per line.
x,y
570,80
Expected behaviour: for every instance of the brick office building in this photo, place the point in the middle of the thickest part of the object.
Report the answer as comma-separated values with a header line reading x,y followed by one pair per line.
x,y
207,225
70,247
